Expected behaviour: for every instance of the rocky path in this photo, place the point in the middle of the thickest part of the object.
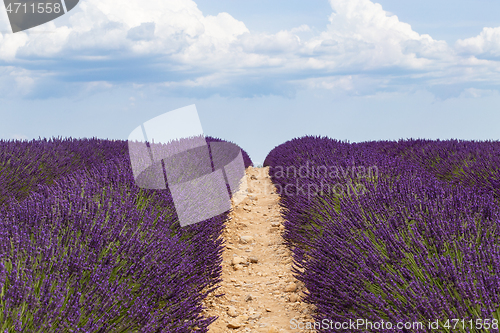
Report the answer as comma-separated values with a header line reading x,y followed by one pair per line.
x,y
261,295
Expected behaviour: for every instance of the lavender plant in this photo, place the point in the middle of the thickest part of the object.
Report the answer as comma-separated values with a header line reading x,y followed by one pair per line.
x,y
25,164
466,163
92,252
410,248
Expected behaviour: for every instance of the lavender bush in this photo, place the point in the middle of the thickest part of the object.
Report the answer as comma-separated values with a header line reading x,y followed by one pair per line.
x,y
466,163
246,158
410,248
92,252
25,164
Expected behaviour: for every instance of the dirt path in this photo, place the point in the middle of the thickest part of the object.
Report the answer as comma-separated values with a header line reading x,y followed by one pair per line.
x,y
261,295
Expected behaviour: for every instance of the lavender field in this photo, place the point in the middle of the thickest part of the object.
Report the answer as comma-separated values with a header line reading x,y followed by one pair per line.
x,y
393,232
83,249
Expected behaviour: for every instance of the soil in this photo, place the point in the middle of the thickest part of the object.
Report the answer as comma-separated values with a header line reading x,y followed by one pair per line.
x,y
260,292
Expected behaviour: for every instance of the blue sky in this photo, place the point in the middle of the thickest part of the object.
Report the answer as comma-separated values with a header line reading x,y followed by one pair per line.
x,y
259,72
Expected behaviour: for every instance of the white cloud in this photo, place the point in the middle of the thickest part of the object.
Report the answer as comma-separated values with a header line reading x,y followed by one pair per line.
x,y
212,80
343,83
212,44
361,37
10,43
477,93
145,31
19,137
281,42
301,28
163,27
16,81
362,34
487,42
360,31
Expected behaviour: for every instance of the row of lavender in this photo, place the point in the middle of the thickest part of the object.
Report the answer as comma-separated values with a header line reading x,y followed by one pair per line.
x,y
89,251
26,164
379,240
466,163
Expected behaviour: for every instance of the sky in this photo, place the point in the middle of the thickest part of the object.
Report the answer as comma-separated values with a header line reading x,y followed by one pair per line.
x,y
259,72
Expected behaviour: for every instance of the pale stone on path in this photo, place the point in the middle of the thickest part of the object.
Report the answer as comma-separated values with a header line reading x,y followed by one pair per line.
x,y
291,287
255,316
232,312
234,324
246,239
238,260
